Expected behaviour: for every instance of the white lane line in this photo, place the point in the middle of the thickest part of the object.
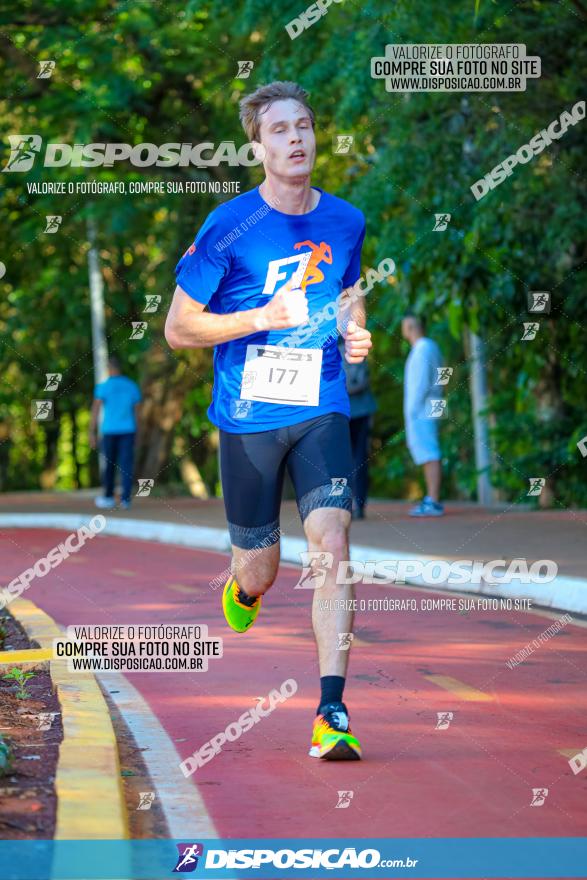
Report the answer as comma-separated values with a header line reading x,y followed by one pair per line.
x,y
182,804
564,593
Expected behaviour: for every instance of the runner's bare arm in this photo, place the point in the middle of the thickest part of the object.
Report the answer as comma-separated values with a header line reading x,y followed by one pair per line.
x,y
352,307
351,321
189,326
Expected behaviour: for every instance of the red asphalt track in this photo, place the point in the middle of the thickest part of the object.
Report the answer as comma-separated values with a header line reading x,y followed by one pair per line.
x,y
474,779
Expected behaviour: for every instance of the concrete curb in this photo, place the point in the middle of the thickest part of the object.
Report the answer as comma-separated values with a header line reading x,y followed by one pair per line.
x,y
88,785
562,593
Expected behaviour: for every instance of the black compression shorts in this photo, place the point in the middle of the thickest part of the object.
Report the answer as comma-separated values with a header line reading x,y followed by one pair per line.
x,y
317,454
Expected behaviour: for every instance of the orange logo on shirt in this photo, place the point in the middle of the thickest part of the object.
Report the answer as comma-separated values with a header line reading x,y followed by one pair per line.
x,y
320,253
190,250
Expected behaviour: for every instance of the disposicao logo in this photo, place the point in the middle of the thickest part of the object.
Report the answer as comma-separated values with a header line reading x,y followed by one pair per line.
x,y
24,149
187,859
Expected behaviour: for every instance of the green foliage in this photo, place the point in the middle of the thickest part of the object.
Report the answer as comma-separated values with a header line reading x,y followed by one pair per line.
x,y
5,756
20,678
166,73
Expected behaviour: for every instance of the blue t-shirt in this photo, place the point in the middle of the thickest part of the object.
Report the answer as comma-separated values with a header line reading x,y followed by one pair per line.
x,y
119,394
245,251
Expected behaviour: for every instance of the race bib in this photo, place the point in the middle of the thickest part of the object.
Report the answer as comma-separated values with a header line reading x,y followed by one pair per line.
x,y
289,376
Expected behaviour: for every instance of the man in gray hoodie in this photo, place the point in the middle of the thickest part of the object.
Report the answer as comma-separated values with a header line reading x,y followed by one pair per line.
x,y
421,396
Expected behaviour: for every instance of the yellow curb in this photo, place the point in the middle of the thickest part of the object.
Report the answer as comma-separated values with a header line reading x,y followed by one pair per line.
x,y
88,785
33,655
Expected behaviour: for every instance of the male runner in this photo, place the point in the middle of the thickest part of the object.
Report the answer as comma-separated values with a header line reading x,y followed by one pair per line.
x,y
268,261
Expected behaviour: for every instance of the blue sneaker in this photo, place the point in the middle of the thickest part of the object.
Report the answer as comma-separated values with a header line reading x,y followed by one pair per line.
x,y
427,507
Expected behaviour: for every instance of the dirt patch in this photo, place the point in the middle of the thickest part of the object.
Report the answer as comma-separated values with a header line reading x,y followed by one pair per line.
x,y
33,731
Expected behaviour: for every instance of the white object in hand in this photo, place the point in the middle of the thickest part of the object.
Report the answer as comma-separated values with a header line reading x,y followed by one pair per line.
x,y
297,303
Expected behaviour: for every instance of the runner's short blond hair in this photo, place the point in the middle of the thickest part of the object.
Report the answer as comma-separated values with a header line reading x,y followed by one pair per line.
x,y
251,106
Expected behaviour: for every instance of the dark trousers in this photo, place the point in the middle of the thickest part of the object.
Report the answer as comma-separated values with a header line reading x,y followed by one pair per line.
x,y
118,450
360,433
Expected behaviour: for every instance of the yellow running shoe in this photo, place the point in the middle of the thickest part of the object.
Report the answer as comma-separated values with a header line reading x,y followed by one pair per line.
x,y
239,616
332,738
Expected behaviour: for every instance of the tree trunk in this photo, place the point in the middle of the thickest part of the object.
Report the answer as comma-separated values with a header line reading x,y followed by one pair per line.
x,y
478,385
550,404
98,318
163,389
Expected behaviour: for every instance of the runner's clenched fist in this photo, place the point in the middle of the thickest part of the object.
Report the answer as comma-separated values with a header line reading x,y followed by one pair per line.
x,y
357,342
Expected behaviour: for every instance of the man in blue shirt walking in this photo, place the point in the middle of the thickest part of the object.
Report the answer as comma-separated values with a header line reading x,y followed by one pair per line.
x,y
120,397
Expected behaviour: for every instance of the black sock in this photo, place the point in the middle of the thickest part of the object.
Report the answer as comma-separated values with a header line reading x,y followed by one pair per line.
x,y
245,598
331,688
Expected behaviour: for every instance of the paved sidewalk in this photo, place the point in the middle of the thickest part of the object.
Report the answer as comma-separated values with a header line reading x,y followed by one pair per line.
x,y
506,729
466,532
410,668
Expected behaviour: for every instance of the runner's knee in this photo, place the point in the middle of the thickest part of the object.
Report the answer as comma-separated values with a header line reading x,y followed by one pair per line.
x,y
334,540
328,530
255,567
256,576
